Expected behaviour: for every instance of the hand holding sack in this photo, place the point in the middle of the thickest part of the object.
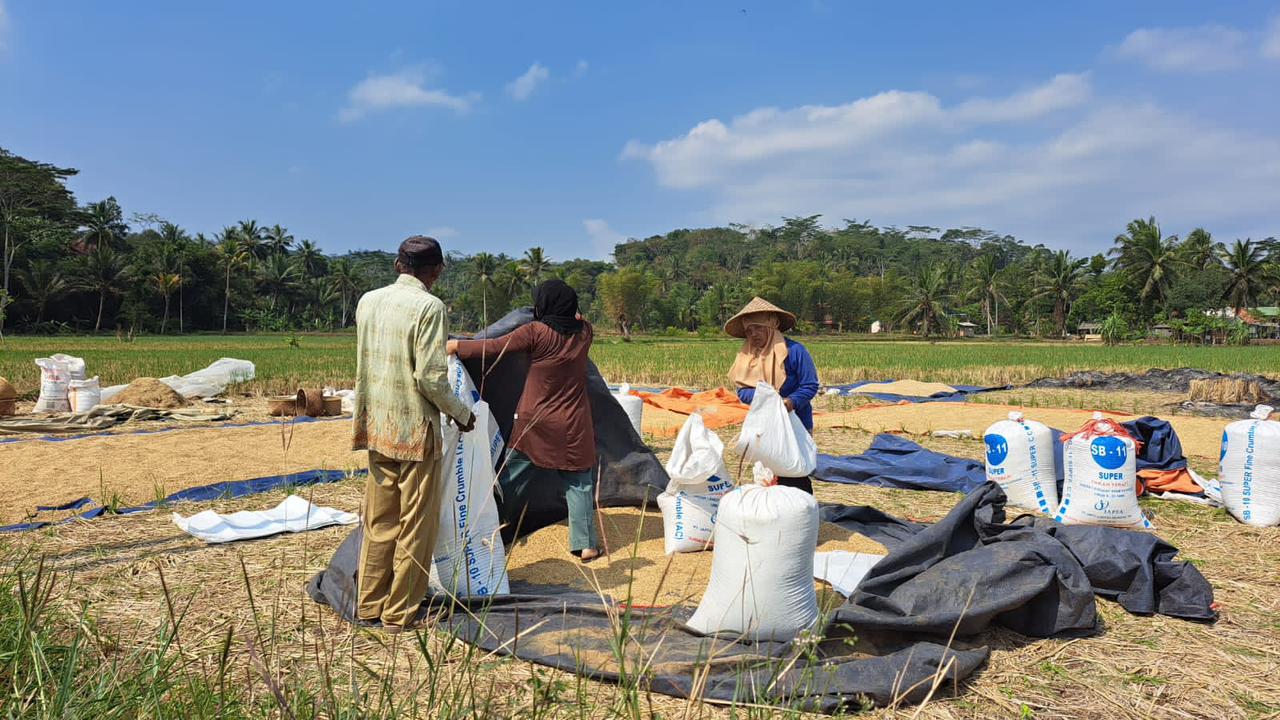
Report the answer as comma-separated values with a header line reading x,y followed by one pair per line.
x,y
699,479
775,437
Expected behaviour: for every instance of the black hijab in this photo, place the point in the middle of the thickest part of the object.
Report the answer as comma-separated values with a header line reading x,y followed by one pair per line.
x,y
555,305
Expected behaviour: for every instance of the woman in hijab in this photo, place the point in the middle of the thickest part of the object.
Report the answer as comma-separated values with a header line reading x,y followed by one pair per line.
x,y
553,445
780,361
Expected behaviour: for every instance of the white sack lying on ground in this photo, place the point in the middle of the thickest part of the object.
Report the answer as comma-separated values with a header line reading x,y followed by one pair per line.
x,y
843,570
295,514
209,382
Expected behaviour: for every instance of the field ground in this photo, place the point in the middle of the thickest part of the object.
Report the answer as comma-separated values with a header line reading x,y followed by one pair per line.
x,y
330,359
248,640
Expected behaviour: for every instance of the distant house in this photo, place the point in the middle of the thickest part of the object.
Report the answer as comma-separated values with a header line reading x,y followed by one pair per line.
x,y
1263,322
1089,331
966,329
1161,331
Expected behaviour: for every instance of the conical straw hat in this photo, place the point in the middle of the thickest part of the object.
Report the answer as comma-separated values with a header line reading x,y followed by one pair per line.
x,y
735,327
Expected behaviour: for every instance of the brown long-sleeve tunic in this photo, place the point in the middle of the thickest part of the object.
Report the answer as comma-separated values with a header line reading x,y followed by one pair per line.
x,y
553,420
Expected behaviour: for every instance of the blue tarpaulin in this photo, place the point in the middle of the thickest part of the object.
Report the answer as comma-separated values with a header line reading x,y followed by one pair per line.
x,y
896,462
203,493
962,392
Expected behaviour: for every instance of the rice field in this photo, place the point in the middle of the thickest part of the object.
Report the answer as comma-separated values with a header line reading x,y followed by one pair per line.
x,y
286,362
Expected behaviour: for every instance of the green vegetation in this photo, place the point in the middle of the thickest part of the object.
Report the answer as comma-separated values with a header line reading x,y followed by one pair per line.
x,y
70,268
285,362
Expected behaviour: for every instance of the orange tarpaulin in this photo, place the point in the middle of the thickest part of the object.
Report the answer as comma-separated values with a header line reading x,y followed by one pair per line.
x,y
1160,481
666,411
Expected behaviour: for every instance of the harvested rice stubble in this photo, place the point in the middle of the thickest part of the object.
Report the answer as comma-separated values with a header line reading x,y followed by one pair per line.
x,y
637,568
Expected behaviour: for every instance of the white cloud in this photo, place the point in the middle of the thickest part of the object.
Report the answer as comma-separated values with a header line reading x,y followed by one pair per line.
x,y
523,87
1051,164
603,237
1206,48
1271,40
4,26
443,232
581,68
406,88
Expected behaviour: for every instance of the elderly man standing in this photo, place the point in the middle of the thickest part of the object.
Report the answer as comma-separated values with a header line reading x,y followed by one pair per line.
x,y
401,390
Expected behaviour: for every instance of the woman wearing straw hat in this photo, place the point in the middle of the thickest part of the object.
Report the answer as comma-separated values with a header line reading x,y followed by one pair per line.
x,y
780,361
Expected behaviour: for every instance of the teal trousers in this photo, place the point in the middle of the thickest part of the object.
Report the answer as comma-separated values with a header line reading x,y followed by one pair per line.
x,y
521,478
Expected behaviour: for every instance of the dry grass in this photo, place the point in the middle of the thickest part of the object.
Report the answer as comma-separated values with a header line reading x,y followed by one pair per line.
x,y
118,569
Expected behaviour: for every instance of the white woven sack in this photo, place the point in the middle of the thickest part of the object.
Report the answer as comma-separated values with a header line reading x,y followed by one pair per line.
x,y
1249,469
465,390
761,584
1020,460
699,479
54,377
1101,479
84,395
775,437
469,559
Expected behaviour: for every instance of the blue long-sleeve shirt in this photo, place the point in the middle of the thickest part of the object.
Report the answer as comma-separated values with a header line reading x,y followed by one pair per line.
x,y
801,386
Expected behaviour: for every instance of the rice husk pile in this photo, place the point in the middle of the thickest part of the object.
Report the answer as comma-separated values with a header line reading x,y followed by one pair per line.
x,y
637,566
149,393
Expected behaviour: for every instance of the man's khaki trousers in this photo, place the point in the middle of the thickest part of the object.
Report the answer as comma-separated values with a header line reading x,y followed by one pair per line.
x,y
401,519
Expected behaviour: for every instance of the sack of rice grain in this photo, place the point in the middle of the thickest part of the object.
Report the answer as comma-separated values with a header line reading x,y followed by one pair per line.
x,y
775,437
698,480
1101,477
1249,469
55,374
761,584
469,559
1020,461
84,395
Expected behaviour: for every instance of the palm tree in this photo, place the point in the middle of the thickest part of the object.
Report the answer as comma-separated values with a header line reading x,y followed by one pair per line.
x,y
1147,258
924,305
310,260
484,266
251,238
535,264
343,278
103,224
278,240
511,279
1198,251
987,281
1246,262
165,283
104,272
44,283
1060,278
276,275
174,255
233,256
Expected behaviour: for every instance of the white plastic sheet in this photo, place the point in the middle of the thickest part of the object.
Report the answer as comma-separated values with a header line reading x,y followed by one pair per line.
x,y
295,514
209,382
843,570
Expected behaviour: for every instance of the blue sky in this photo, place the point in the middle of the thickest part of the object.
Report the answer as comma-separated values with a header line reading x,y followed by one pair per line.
x,y
498,126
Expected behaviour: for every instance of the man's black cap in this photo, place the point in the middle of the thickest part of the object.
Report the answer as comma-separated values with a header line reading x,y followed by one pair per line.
x,y
420,251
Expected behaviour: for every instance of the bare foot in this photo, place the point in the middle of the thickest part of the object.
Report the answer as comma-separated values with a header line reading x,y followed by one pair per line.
x,y
588,555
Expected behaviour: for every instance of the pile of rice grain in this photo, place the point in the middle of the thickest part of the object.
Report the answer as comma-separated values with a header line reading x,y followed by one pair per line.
x,y
148,392
637,569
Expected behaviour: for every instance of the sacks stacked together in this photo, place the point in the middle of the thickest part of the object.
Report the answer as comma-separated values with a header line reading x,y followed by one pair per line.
x,y
1249,469
1101,477
56,375
698,481
1020,460
761,584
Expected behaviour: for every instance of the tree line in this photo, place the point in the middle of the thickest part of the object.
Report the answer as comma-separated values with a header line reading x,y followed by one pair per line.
x,y
69,267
